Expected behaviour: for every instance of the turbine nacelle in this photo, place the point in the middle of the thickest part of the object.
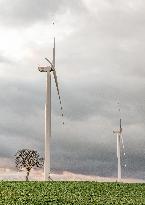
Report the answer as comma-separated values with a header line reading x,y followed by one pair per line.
x,y
44,68
117,131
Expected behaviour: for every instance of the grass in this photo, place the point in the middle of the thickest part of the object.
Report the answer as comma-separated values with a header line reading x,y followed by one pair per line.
x,y
77,193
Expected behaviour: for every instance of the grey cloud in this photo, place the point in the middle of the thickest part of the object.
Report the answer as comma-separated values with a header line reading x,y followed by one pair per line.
x,y
101,98
21,116
5,60
28,12
115,40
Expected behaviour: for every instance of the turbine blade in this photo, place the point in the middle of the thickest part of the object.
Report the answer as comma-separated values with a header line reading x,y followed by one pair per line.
x,y
123,145
53,61
122,141
117,145
125,165
120,125
49,62
54,54
56,83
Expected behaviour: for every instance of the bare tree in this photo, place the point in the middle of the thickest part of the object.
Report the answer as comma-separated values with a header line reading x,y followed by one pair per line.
x,y
26,158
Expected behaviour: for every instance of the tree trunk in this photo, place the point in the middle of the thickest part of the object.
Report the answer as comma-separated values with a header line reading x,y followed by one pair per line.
x,y
27,179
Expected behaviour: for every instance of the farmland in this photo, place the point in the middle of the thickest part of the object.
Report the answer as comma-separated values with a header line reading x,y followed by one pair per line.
x,y
71,193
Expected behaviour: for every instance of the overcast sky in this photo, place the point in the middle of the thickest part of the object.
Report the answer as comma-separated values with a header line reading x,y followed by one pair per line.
x,y
100,61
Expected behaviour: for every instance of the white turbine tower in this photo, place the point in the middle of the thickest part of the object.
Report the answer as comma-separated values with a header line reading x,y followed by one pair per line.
x,y
48,70
119,142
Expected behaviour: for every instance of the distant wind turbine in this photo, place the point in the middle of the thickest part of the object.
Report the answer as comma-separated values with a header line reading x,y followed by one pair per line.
x,y
119,142
49,69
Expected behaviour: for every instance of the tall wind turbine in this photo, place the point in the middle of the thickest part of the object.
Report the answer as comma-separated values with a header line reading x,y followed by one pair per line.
x,y
49,69
119,142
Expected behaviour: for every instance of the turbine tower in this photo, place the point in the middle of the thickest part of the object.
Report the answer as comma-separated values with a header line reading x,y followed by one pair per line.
x,y
119,141
49,69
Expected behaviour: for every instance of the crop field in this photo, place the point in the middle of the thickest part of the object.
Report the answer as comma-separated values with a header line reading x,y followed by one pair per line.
x,y
77,193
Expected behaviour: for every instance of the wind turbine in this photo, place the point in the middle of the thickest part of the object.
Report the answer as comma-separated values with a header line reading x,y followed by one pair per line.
x,y
49,69
119,142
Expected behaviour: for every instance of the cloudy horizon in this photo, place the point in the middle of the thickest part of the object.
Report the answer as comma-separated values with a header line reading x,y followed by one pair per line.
x,y
99,62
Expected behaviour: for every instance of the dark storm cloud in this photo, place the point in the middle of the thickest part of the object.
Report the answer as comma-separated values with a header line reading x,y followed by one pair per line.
x,y
21,121
23,93
101,99
100,160
27,12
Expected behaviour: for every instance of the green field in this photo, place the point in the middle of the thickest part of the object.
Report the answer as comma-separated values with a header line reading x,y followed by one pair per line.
x,y
76,193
